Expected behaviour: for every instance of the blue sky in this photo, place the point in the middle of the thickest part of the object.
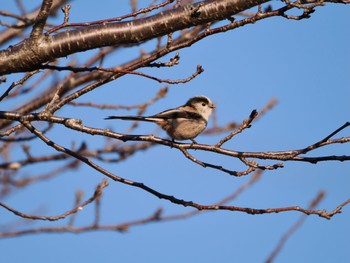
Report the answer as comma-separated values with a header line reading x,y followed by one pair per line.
x,y
303,64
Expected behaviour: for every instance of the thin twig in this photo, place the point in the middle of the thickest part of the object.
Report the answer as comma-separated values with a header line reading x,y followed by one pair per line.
x,y
170,198
293,228
160,94
116,19
122,227
40,21
322,142
198,71
245,125
78,197
289,155
16,83
98,192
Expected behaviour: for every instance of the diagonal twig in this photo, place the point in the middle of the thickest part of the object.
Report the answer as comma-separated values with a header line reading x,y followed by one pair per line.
x,y
293,228
245,125
97,193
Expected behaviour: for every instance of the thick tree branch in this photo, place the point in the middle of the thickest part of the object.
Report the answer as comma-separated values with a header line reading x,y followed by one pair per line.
x,y
40,21
30,54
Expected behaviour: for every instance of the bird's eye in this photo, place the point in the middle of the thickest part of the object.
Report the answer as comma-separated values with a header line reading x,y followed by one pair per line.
x,y
203,104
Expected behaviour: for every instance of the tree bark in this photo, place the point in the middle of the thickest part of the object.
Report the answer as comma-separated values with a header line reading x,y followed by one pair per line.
x,y
33,52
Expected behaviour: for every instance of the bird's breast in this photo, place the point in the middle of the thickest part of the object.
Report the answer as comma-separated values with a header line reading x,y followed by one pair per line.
x,y
184,129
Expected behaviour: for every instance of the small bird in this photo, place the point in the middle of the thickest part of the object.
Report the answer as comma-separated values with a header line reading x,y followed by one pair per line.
x,y
183,123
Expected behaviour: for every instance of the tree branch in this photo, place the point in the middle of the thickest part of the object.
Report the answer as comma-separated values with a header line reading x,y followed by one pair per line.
x,y
172,199
97,193
40,20
293,228
289,155
26,57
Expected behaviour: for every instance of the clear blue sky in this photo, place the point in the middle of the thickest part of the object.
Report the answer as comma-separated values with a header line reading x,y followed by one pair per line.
x,y
303,64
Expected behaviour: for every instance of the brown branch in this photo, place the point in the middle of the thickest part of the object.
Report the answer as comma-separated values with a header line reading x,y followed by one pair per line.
x,y
27,20
171,198
254,178
293,228
122,227
34,179
199,70
245,125
156,216
97,193
325,141
11,130
68,84
72,81
124,152
18,17
16,83
40,20
290,155
110,20
173,61
142,106
217,167
70,229
78,198
103,79
18,129
216,129
76,125
69,42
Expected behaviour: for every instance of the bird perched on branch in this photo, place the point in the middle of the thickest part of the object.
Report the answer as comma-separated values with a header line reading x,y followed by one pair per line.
x,y
183,123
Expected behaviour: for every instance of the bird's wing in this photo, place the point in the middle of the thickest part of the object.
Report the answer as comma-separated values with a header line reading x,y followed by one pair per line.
x,y
164,115
176,113
130,118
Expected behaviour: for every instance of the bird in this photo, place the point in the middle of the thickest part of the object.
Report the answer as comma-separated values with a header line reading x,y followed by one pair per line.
x,y
182,123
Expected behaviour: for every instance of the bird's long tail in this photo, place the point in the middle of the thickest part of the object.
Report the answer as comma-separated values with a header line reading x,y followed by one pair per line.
x,y
133,118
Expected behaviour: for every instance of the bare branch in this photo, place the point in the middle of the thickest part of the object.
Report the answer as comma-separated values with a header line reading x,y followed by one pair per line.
x,y
245,125
16,83
40,96
325,141
78,198
294,228
76,69
27,20
61,44
122,227
171,198
142,106
117,19
289,155
40,21
173,61
97,193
